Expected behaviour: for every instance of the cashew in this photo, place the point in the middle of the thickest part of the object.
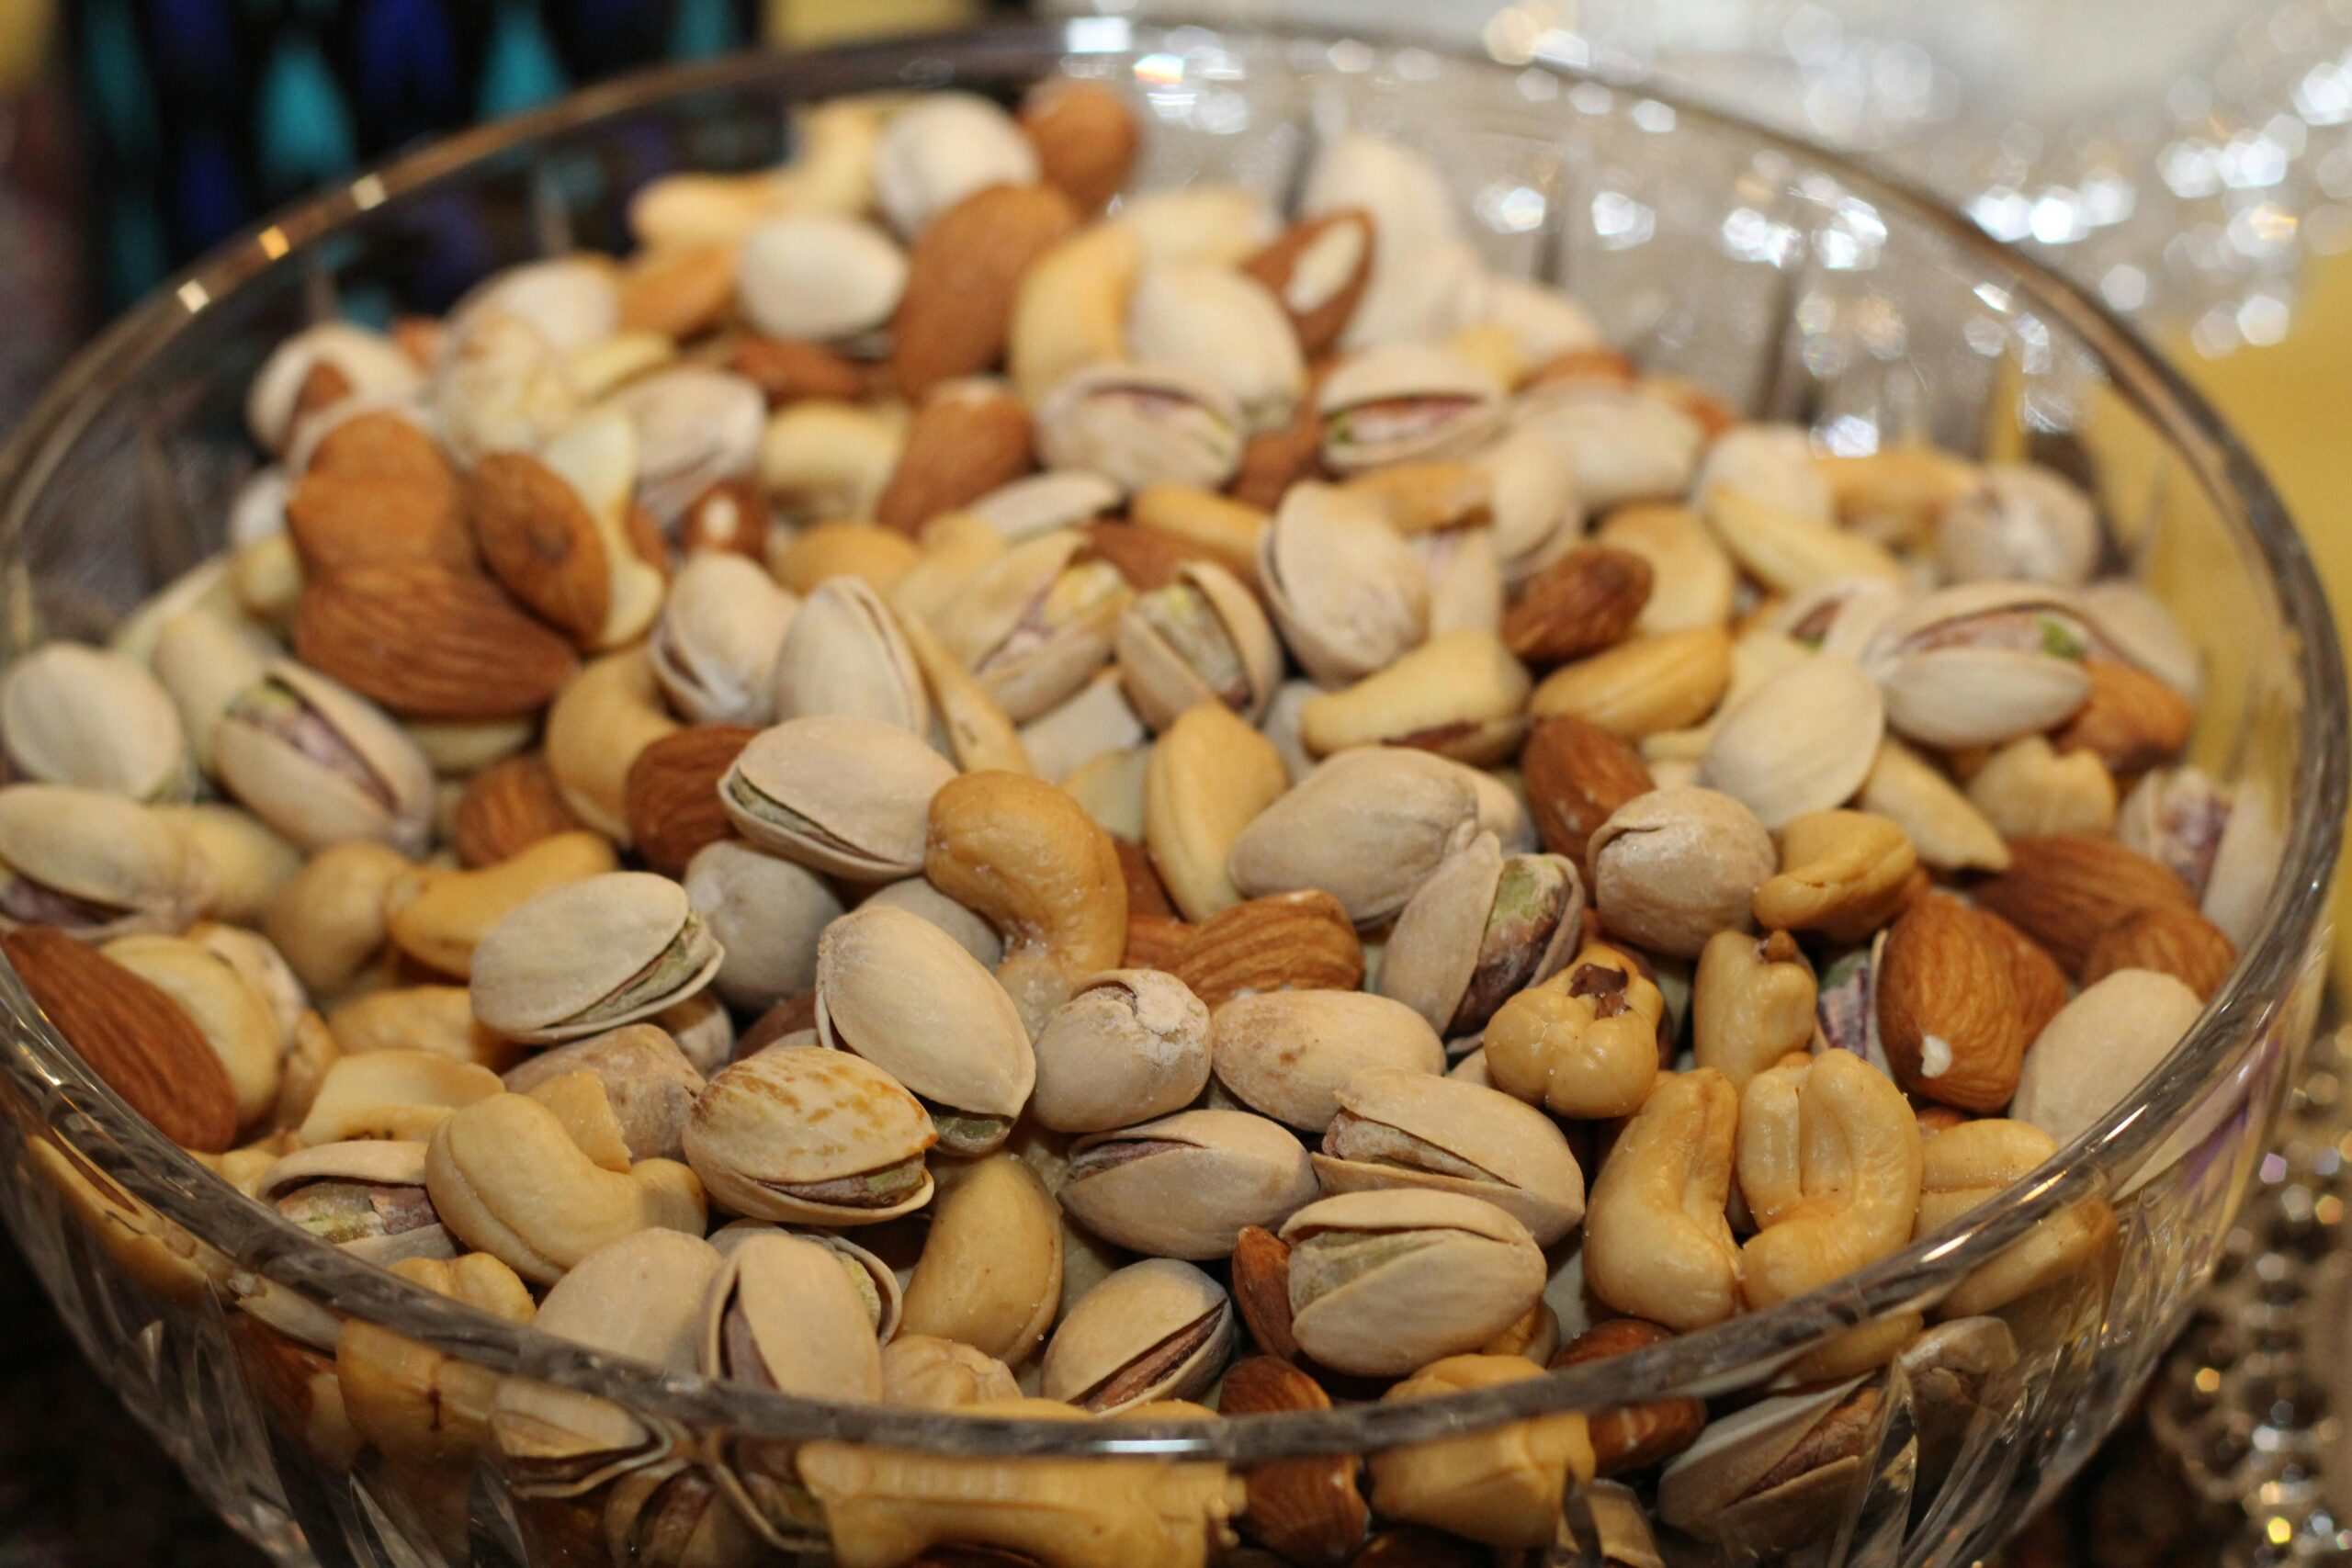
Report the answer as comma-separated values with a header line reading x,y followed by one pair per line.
x,y
393,1094
1843,874
1026,858
580,1102
2026,789
507,1179
446,913
1585,1043
1209,775
329,920
990,1274
1751,1003
439,1018
417,1403
611,711
1829,1163
1973,1163
1655,1242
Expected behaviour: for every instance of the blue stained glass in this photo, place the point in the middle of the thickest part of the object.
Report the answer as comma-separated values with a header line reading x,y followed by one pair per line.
x,y
121,99
407,67
209,199
700,28
520,69
304,133
200,38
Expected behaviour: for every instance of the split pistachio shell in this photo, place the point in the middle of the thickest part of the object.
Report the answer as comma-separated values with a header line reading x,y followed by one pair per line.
x,y
1158,1329
1981,664
942,148
591,955
765,913
1288,1054
817,277
713,649
1804,740
897,990
1840,615
1225,327
574,300
71,714
648,1079
1036,622
845,656
1350,595
1369,826
811,1136
1772,465
1483,927
1673,867
1201,639
917,896
2143,629
234,1018
1185,1186
1713,1489
1405,400
503,385
367,1197
1216,221
1142,424
851,796
1384,1281
1059,497
320,764
1460,695
93,864
782,1314
1621,443
2019,523
1130,1044
1397,1128
696,427
875,1283
990,1274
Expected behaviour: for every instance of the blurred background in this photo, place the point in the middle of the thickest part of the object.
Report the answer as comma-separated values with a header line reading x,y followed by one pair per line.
x,y
2187,160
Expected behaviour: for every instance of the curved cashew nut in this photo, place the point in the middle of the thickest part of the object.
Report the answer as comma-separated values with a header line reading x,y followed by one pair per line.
x,y
439,917
1976,1162
1751,1003
1585,1041
596,725
414,1402
1655,1242
507,1179
1830,1163
329,920
1026,858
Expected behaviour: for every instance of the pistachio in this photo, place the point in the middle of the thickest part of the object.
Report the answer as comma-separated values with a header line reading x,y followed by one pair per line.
x,y
1776,1475
1288,1054
591,955
713,648
845,656
1482,928
765,913
697,429
2018,524
942,148
647,1080
2177,818
1368,826
1804,740
1225,326
1130,1044
897,990
1059,497
1405,400
503,386
1035,622
1397,1128
1185,1186
368,1198
1621,442
205,661
1982,664
78,715
765,1139
1158,1329
850,796
1349,594
1384,1281
369,364
320,764
1415,287
818,277
1673,867
781,1313
1201,639
93,864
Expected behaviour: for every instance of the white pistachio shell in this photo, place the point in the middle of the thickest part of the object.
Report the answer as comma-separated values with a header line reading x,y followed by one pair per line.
x,y
851,796
384,1214
1981,664
1347,591
1420,272
1142,424
502,386
205,661
766,912
1396,1128
2018,522
1035,622
812,1137
1532,500
93,864
371,362
783,1314
1201,639
1621,443
591,955
713,649
75,715
1772,465
1128,1045
845,656
1543,321
1482,927
2143,629
1803,741
1369,826
1382,1282
573,300
1288,1054
1224,326
942,148
1059,497
818,277
1404,401
1158,1329
696,427
321,763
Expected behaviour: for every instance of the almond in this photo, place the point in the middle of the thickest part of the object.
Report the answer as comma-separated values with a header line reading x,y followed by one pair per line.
x,y
1155,941
2034,975
129,1033
1948,1014
540,542
1274,461
730,516
1260,1274
1287,942
680,293
1147,558
1582,603
1147,895
1633,1436
430,642
506,808
2063,889
962,278
1577,774
1320,296
2131,721
1086,138
2170,940
786,371
325,386
790,1015
672,794
1309,1510
1583,365
966,439
339,521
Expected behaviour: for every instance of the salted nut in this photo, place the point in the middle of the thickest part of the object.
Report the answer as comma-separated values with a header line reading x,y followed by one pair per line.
x,y
1401,402
1142,424
1185,1186
1482,929
1384,1281
1369,826
591,955
1288,1054
847,796
760,1142
368,1198
1035,624
1585,1043
320,764
1396,1128
1983,663
845,655
1202,637
78,715
94,864
1158,1329
713,649
1348,592
1130,1044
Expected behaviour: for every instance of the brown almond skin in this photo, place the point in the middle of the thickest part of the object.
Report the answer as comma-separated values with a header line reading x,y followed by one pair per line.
x,y
2040,984
680,293
1577,774
430,642
339,521
1285,941
506,808
730,516
1310,1510
2169,940
1155,941
384,445
958,449
1147,558
2063,889
2131,721
671,795
1582,603
786,370
1147,895
1262,1291
539,541
1638,1436
1086,138
1272,463
1319,326
130,1035
1941,974
962,278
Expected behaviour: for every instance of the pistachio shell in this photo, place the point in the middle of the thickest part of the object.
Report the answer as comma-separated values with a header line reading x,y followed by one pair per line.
x,y
2139,626
1036,624
1349,594
1804,740
917,896
73,715
93,864
1142,424
366,1197
205,661
591,955
573,299
321,763
811,1136
1771,465
1224,326
713,649
1128,1045
782,1314
942,148
1059,498
1672,867
1201,639
2018,522
851,796
1158,1329
1981,664
1185,1186
1369,827
696,427
502,386
1384,1281
1532,499
1397,1128
1405,400
1288,1054
765,913
845,656
1479,929
1417,277
817,277
1621,443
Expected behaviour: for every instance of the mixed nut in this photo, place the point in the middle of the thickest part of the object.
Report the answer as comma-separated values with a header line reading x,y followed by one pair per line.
x,y
927,793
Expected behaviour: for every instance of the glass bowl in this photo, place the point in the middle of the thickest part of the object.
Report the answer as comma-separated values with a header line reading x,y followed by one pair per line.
x,y
1789,282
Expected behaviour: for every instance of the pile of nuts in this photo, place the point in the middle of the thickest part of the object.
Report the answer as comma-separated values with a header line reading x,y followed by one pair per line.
x,y
926,794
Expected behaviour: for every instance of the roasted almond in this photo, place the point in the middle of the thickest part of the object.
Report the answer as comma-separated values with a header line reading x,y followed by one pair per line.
x,y
1317,270
1605,364
1147,558
682,292
1285,941
730,516
1948,1014
383,445
671,793
540,541
1582,603
2034,975
962,278
1633,1436
132,1035
325,386
1155,941
1272,462
786,371
2062,890
1260,1273
1147,895
506,808
1086,138
427,641
1577,774
966,439
340,520
1310,1510
2131,721
2170,940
